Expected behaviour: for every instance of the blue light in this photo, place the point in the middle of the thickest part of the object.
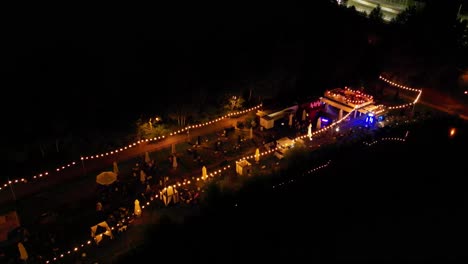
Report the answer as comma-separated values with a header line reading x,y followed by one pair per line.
x,y
324,120
370,119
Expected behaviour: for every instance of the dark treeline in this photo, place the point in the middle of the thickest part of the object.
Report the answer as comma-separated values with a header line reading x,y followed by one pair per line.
x,y
428,47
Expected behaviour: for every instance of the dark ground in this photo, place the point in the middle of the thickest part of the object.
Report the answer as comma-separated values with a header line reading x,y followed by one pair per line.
x,y
389,202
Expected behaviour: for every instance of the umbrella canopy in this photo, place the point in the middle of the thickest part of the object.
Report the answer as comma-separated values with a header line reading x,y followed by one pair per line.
x,y
137,208
101,230
22,251
106,178
204,173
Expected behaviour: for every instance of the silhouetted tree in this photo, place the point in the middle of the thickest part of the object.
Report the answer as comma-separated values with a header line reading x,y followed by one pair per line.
x,y
376,15
404,17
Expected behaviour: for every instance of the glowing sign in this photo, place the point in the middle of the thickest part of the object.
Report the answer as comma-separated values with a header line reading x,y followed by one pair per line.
x,y
316,104
370,118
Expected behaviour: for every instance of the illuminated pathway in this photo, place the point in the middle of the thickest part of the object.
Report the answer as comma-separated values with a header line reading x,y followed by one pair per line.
x,y
33,184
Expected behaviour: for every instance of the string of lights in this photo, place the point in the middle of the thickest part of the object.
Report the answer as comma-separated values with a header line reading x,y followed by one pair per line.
x,y
218,172
129,219
188,182
134,144
324,129
213,174
185,129
281,184
419,91
384,139
327,128
118,150
349,96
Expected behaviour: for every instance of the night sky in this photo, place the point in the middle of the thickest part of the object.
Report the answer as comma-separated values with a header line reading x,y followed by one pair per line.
x,y
96,69
101,57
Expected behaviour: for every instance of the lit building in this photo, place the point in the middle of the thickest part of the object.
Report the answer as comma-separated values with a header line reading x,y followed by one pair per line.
x,y
346,100
309,109
376,110
390,8
267,120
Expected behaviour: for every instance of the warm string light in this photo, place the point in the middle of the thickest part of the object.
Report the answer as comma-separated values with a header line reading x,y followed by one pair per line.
x,y
185,129
384,139
218,171
276,186
115,151
34,177
331,126
259,154
419,91
349,96
374,109
324,129
212,174
129,219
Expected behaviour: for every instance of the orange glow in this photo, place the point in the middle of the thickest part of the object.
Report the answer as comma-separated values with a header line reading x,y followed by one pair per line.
x,y
452,132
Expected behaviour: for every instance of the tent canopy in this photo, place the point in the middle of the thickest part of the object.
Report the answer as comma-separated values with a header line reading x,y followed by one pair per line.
x,y
101,230
169,195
